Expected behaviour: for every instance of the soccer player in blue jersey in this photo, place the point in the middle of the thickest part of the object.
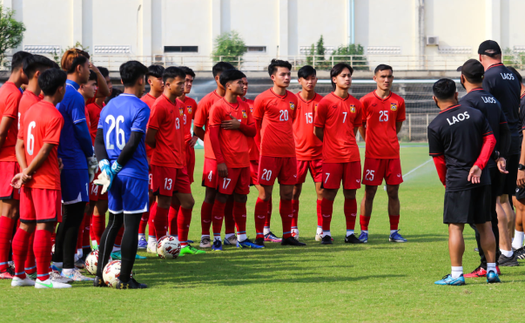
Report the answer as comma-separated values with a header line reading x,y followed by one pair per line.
x,y
121,150
75,149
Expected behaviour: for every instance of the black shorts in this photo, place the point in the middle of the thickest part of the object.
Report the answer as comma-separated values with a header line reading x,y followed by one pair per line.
x,y
508,181
470,206
520,194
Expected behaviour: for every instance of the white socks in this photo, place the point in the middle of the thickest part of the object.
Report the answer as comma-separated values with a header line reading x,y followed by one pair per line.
x,y
226,236
392,232
241,237
152,239
457,271
266,230
506,253
349,232
491,266
67,271
326,233
518,239
217,238
319,230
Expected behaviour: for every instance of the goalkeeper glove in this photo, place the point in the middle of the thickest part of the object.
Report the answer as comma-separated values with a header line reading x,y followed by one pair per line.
x,y
105,178
92,167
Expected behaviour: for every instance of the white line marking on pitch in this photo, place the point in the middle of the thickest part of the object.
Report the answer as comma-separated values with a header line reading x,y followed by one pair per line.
x,y
418,167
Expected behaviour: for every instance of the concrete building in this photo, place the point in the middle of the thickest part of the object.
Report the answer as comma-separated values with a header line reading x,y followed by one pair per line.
x,y
410,34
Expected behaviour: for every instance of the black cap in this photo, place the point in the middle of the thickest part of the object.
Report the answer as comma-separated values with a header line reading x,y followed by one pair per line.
x,y
472,69
489,48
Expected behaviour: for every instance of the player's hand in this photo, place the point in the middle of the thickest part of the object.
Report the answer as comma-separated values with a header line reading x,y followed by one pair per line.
x,y
520,182
20,179
60,165
193,141
104,179
231,124
502,165
222,169
92,168
93,68
474,175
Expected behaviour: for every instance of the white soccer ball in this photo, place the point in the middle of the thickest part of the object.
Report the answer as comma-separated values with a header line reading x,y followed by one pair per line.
x,y
168,247
111,273
92,262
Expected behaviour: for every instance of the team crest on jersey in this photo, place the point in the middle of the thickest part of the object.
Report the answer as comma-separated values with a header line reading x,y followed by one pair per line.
x,y
188,108
393,106
315,107
244,115
181,111
352,108
292,106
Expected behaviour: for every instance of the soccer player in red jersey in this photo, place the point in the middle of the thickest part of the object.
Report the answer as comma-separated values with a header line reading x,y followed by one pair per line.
x,y
338,117
156,85
209,176
10,96
231,124
308,147
384,113
40,200
166,134
274,112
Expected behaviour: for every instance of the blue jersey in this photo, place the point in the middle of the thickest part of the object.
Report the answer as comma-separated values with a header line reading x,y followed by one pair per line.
x,y
123,115
72,107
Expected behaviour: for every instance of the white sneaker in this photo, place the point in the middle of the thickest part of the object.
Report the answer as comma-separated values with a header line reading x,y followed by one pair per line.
x,y
50,284
75,275
231,241
295,234
56,277
205,242
318,237
19,282
152,247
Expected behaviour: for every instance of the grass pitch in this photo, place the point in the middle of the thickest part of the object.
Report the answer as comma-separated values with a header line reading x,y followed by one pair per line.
x,y
375,282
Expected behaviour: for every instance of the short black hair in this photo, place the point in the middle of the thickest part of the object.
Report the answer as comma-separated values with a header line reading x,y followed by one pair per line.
x,y
50,80
444,89
272,68
92,76
230,75
187,71
79,60
306,71
18,60
338,69
131,71
518,75
221,67
104,71
35,63
155,71
383,67
172,72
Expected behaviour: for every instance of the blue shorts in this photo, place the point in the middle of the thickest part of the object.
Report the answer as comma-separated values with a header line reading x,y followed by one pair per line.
x,y
75,186
129,195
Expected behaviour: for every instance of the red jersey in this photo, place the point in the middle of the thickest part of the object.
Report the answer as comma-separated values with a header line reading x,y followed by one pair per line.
x,y
93,110
202,120
380,117
190,107
234,144
166,120
339,117
10,97
149,100
307,145
254,149
27,100
42,124
277,114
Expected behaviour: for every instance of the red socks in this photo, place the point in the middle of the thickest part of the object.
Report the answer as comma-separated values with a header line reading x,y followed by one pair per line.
x,y
161,222
183,225
394,222
269,214
172,217
30,264
350,213
42,249
217,216
99,224
152,214
261,211
295,212
229,221
20,245
6,235
118,238
319,214
364,221
286,211
206,210
143,222
327,208
239,214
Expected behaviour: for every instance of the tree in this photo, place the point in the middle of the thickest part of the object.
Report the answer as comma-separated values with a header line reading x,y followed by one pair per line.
x,y
352,54
58,57
229,47
11,31
317,52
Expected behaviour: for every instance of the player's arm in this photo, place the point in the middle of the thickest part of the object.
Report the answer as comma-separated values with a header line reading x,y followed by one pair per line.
x,y
441,167
102,86
5,124
215,125
489,142
129,149
151,137
320,120
504,145
436,152
399,124
401,116
20,153
319,132
521,173
80,127
362,130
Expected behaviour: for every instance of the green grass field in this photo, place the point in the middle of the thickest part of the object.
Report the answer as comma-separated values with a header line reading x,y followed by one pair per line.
x,y
376,282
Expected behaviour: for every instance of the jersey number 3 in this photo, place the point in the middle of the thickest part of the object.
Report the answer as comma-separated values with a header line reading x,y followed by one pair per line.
x,y
120,136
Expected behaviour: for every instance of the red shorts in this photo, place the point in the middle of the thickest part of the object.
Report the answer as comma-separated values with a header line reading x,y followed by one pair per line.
x,y
283,168
238,180
150,177
190,162
315,167
95,191
8,170
209,174
349,173
167,180
254,171
40,205
377,169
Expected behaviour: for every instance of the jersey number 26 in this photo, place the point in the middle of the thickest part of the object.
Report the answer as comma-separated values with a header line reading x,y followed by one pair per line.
x,y
120,136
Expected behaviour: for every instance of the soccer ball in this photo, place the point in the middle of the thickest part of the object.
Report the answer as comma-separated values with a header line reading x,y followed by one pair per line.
x,y
92,262
168,247
111,273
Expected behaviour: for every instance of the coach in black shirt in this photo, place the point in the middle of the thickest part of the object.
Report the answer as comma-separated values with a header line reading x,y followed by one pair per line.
x,y
461,143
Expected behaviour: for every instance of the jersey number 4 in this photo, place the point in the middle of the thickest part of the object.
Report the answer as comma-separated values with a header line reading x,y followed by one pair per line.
x,y
120,136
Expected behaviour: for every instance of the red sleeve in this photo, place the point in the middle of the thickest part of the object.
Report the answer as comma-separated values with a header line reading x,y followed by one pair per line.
x,y
258,108
358,121
248,129
489,142
11,106
201,114
363,105
320,116
216,143
441,168
296,103
53,129
401,112
155,117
